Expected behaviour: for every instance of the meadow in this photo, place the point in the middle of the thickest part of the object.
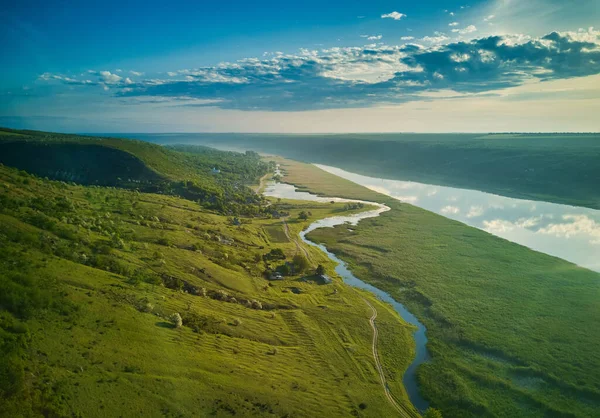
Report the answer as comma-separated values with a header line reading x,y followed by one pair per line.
x,y
559,168
512,332
92,277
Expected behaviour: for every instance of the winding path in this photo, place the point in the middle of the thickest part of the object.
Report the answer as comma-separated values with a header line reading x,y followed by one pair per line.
x,y
299,247
402,410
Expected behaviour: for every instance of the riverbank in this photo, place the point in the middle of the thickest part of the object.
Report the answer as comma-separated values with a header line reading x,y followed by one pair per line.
x,y
560,168
282,190
509,328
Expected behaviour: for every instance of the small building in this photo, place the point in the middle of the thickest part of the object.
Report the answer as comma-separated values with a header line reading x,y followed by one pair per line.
x,y
275,276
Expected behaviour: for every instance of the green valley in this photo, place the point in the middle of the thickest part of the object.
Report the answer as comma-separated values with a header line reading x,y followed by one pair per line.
x,y
119,301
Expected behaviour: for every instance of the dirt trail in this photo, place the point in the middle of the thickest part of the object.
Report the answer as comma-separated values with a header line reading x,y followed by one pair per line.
x,y
299,247
262,183
403,411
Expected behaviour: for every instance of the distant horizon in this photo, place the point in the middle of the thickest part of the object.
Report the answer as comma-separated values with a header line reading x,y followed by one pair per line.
x,y
313,133
351,133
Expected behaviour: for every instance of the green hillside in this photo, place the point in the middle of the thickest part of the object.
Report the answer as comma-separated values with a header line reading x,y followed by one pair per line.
x,y
186,171
92,277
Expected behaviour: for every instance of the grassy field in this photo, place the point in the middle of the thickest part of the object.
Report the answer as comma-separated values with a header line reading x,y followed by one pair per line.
x,y
90,278
512,332
560,168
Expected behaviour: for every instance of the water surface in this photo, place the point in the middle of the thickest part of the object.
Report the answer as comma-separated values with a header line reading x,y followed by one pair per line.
x,y
569,232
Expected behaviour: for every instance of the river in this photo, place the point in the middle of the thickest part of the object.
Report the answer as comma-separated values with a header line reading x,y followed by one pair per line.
x,y
568,232
287,191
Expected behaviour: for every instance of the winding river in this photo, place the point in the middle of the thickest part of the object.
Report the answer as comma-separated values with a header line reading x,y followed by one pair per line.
x,y
287,191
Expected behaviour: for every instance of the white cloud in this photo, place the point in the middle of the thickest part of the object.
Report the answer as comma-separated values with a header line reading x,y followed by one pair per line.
x,y
407,38
490,17
438,39
65,79
136,73
460,57
475,211
393,15
372,37
453,24
450,210
578,225
351,77
109,78
498,226
528,222
464,31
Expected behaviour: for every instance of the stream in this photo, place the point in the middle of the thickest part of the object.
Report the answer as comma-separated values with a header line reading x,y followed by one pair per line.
x,y
287,191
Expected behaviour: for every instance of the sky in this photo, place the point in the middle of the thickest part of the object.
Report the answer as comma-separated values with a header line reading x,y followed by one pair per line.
x,y
301,67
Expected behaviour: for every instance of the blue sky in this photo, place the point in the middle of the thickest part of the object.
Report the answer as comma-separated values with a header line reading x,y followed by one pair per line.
x,y
311,66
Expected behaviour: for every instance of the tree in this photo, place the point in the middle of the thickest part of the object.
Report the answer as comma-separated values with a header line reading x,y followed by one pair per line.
x,y
303,216
284,269
275,254
320,270
300,263
176,320
432,413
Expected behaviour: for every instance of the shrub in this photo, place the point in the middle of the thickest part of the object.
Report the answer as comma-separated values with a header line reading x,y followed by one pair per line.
x,y
163,241
237,322
300,263
432,413
285,270
199,323
275,254
176,320
220,295
320,270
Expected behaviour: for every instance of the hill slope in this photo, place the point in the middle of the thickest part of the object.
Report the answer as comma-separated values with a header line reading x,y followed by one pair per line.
x,y
91,277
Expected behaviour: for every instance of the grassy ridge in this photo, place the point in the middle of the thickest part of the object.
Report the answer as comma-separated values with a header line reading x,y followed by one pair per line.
x,y
512,332
183,171
89,277
561,168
